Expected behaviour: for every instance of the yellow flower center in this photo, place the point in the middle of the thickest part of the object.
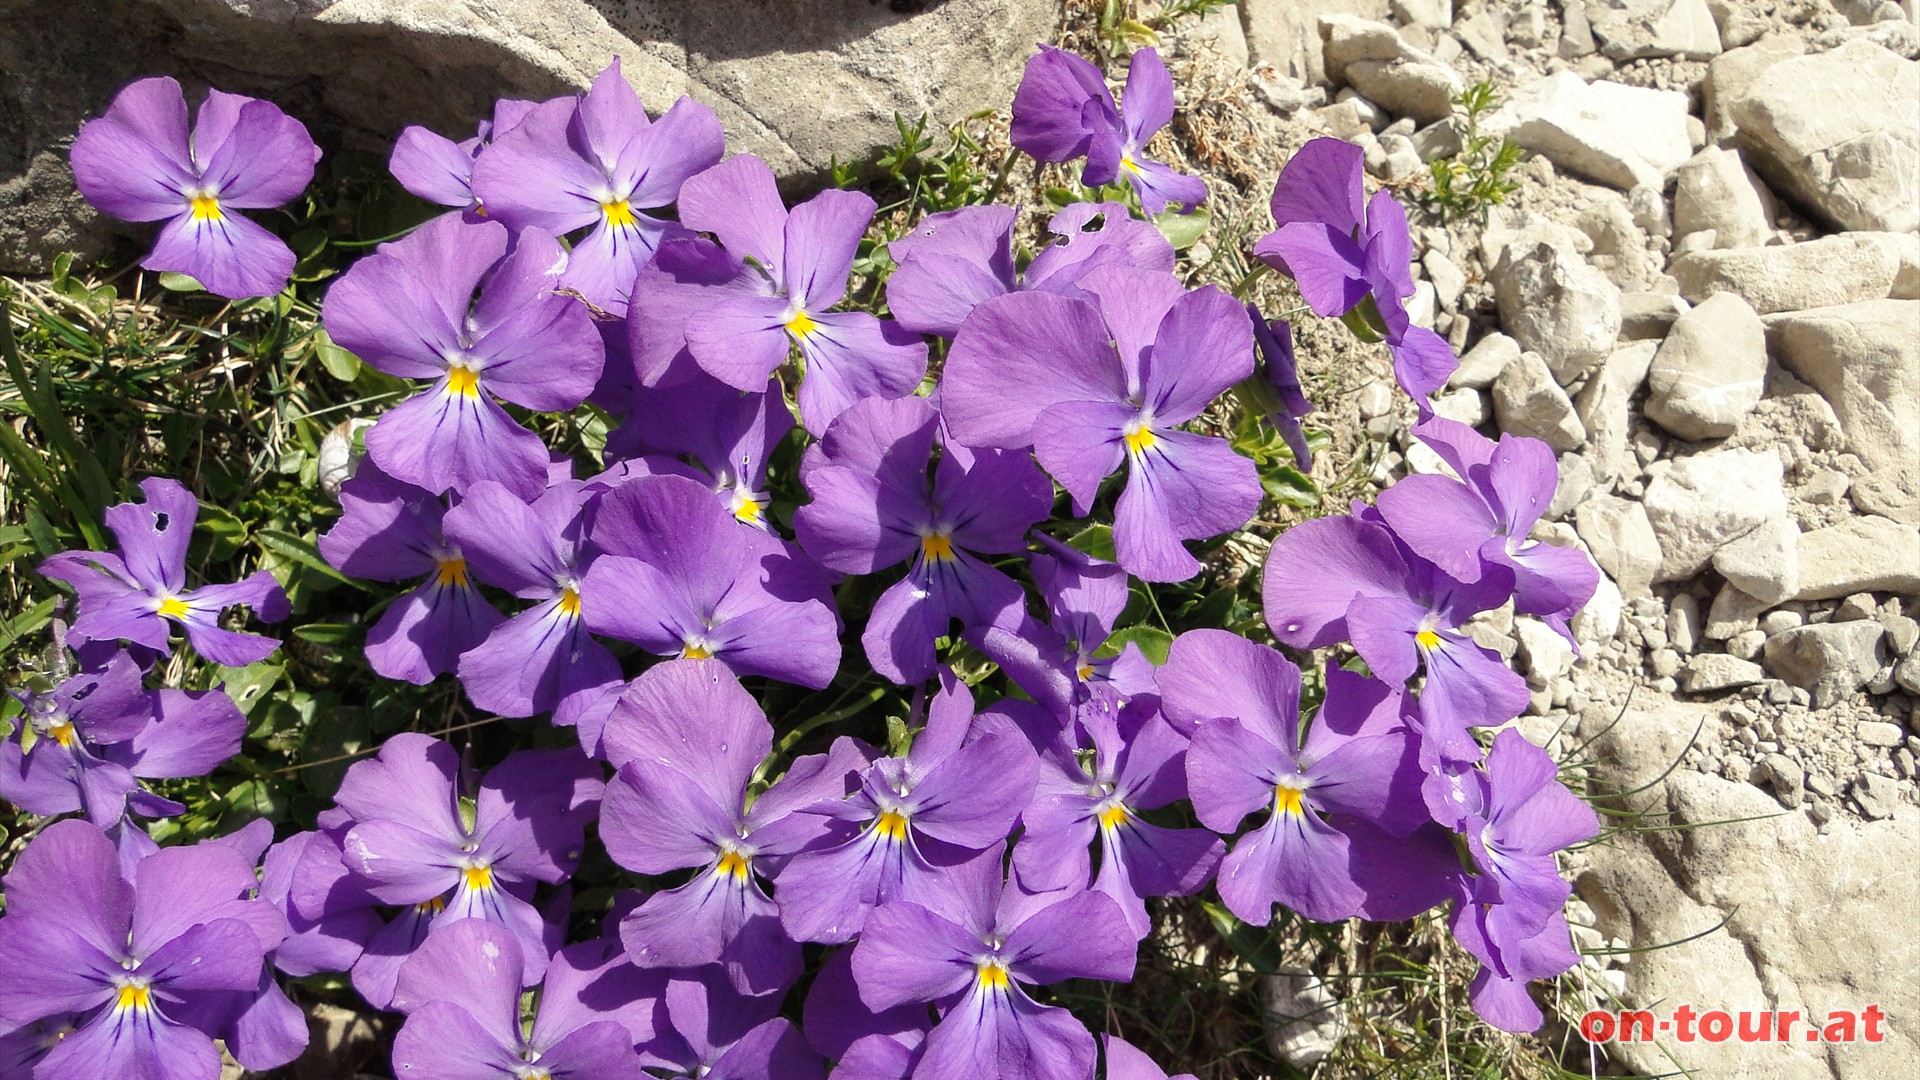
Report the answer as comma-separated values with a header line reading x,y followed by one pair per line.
x,y
453,571
62,733
1085,672
479,877
993,975
172,607
134,996
801,324
1428,640
431,907
1140,440
938,547
734,863
463,381
694,651
619,214
207,208
748,509
1114,816
1286,800
892,825
1128,164
570,602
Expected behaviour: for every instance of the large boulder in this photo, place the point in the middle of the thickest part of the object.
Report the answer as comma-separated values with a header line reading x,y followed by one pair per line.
x,y
1839,131
798,82
1610,133
1701,503
1710,370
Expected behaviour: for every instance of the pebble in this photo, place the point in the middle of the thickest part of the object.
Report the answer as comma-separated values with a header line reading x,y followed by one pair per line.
x,y
1876,795
1879,733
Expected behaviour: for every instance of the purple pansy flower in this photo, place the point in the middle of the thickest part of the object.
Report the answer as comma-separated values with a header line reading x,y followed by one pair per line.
x,y
1092,384
1353,261
1483,519
959,791
974,946
688,741
460,992
440,170
1056,662
838,1023
1126,1062
953,261
1282,377
1138,762
1242,700
877,502
133,958
1349,578
330,914
710,1030
1063,110
596,161
135,592
390,530
140,163
678,576
711,432
410,841
97,735
409,310
543,658
799,263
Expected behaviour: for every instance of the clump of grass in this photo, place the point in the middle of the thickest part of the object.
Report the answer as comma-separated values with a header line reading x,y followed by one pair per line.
x,y
1476,177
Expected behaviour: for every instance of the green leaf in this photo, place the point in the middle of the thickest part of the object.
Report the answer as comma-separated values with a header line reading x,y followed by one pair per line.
x,y
247,685
303,552
1153,641
1183,230
1289,486
1094,540
28,621
339,363
1254,944
226,531
180,283
332,635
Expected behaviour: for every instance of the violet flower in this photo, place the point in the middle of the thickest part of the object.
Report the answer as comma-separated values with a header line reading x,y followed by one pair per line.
x,y
687,276
330,914
1243,701
711,432
1056,662
137,592
1063,110
409,310
678,576
439,170
97,735
1281,377
1483,519
130,957
953,261
390,530
1138,762
1092,384
1348,578
713,1032
460,992
542,658
843,1029
140,163
798,267
412,843
1353,261
594,162
688,741
877,502
974,947
1126,1062
1510,912
957,792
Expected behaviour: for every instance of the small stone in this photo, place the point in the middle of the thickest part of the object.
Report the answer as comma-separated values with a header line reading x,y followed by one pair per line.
x,y
1857,555
1733,612
1876,795
1844,269
1787,779
1708,673
1879,733
1777,621
1631,29
1710,371
1708,500
1856,607
1614,134
1449,281
1546,654
1485,361
1683,622
1829,660
1555,304
1463,406
1664,663
1906,675
1864,359
1903,633
1304,1020
1576,483
1374,399
1649,315
1820,812
1747,644
1820,784
1715,191
1528,401
1765,563
1622,541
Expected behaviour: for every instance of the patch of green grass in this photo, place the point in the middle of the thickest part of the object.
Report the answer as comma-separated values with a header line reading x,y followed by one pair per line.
x,y
1476,177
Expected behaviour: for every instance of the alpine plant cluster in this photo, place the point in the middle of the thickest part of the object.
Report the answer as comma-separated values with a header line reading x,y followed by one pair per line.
x,y
926,895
